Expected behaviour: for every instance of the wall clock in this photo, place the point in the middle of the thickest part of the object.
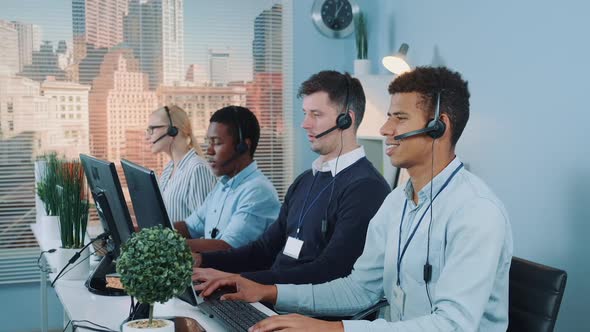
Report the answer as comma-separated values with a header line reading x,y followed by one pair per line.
x,y
334,18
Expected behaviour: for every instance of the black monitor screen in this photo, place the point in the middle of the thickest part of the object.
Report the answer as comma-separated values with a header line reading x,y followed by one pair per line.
x,y
105,186
145,195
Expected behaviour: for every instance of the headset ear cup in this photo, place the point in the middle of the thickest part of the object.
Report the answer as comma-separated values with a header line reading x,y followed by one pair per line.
x,y
437,128
172,131
343,121
242,147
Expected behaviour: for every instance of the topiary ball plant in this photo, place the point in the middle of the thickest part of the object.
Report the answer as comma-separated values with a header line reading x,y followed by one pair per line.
x,y
155,265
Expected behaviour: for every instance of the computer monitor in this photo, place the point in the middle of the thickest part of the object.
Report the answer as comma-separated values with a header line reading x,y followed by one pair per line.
x,y
149,207
145,195
114,216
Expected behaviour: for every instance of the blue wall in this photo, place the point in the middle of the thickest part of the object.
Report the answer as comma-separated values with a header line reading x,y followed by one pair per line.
x,y
20,308
527,67
313,52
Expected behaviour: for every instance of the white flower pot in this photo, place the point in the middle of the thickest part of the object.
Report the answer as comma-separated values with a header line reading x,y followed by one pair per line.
x,y
169,327
362,67
78,270
50,228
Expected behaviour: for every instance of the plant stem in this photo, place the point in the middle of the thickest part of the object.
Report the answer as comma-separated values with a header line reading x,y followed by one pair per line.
x,y
151,314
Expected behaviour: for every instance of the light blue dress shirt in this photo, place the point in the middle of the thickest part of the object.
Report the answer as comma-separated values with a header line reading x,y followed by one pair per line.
x,y
470,254
241,208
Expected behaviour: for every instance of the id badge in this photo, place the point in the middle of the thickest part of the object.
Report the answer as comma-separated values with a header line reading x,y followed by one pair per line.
x,y
293,247
399,300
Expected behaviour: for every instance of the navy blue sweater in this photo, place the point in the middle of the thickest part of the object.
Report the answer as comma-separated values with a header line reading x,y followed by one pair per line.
x,y
328,252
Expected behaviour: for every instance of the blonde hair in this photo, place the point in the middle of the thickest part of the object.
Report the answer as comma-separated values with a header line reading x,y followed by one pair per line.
x,y
181,121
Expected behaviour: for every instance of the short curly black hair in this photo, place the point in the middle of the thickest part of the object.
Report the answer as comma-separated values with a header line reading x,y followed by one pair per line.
x,y
239,119
337,86
428,82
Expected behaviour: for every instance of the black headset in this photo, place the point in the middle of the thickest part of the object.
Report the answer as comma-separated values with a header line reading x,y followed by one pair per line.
x,y
172,130
435,127
344,120
241,147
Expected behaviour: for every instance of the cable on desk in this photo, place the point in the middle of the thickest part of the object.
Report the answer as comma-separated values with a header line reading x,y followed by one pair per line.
x,y
96,327
50,251
80,262
77,255
66,327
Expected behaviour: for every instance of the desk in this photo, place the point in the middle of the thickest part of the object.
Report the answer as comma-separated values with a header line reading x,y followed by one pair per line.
x,y
110,311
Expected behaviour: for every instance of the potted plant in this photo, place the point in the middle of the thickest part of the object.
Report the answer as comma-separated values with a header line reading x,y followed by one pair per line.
x,y
155,265
362,65
48,192
73,217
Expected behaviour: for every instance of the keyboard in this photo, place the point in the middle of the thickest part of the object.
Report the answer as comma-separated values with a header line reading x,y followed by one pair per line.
x,y
236,316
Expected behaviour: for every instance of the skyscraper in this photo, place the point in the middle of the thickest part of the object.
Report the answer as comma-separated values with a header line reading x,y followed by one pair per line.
x,y
200,102
67,121
195,74
8,48
45,63
98,23
154,29
29,40
219,66
265,96
119,102
268,40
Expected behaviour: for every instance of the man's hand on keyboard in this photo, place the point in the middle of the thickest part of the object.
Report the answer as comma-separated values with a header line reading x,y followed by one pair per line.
x,y
296,323
246,290
206,275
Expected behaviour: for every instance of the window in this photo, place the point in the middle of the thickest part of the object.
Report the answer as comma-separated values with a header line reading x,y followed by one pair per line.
x,y
228,65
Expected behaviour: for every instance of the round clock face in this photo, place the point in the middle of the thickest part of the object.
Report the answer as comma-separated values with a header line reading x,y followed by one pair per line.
x,y
334,18
337,14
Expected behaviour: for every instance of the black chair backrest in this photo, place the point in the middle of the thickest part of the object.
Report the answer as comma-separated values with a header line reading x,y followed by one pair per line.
x,y
535,296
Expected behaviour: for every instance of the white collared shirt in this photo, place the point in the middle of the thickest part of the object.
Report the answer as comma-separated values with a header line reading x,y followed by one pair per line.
x,y
344,161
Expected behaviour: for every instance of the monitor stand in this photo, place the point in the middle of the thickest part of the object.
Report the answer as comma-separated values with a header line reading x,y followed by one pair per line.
x,y
97,282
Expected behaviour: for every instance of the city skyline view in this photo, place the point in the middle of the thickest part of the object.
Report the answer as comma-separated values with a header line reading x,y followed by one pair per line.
x,y
83,76
229,35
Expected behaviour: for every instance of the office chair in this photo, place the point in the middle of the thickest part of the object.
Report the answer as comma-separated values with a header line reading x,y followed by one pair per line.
x,y
370,313
535,293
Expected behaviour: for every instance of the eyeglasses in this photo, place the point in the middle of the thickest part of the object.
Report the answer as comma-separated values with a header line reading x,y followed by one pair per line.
x,y
150,129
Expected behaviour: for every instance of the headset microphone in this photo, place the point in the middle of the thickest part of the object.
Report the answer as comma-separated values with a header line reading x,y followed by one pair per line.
x,y
326,132
159,138
435,127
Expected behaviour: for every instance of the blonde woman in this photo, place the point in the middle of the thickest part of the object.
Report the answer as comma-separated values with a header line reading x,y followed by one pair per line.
x,y
187,179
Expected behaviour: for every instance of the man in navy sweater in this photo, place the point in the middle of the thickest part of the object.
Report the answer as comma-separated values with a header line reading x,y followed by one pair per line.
x,y
321,228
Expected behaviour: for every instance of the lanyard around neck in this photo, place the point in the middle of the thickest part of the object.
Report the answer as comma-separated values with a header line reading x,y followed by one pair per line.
x,y
304,212
400,255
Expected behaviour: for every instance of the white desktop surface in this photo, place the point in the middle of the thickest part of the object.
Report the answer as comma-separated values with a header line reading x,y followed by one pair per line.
x,y
110,311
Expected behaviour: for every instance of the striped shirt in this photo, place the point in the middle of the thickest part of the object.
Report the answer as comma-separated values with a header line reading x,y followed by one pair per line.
x,y
185,190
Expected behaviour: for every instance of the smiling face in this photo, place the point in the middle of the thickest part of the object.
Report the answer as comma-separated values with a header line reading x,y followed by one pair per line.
x,y
221,149
405,115
320,115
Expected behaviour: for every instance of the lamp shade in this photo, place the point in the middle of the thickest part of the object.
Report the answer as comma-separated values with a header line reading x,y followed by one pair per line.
x,y
397,63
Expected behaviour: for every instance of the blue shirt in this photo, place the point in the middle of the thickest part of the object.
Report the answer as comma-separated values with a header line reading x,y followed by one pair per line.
x,y
470,254
241,208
